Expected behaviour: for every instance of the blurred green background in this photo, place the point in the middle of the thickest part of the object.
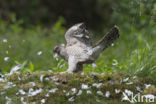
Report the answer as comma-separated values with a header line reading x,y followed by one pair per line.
x,y
29,29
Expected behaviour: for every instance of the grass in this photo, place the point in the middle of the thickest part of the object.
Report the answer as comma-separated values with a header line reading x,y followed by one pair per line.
x,y
133,52
66,82
132,55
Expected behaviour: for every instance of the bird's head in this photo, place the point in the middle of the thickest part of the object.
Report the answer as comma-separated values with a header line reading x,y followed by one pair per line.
x,y
78,31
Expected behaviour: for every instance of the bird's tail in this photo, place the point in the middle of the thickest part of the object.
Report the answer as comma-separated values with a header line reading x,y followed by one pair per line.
x,y
106,41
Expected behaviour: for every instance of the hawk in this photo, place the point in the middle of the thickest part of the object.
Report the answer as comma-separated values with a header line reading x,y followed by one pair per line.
x,y
80,50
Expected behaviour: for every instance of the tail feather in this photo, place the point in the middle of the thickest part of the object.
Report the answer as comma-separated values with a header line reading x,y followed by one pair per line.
x,y
106,41
109,38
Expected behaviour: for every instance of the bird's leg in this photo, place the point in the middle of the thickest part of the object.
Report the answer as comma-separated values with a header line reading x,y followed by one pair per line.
x,y
72,65
79,67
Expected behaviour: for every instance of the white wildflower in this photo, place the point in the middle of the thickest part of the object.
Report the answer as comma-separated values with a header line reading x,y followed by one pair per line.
x,y
56,56
96,85
39,52
53,90
41,78
117,91
61,67
107,94
22,92
5,40
94,65
89,92
6,58
112,44
99,92
79,93
42,101
84,86
71,99
115,63
147,85
82,73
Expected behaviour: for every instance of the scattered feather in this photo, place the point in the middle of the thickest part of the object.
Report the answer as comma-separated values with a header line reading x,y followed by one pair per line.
x,y
14,69
42,101
79,93
117,91
147,85
96,85
8,100
9,85
84,86
32,83
125,80
67,94
129,83
138,88
128,92
53,90
41,78
33,93
89,92
73,90
99,92
22,92
71,99
107,94
47,95
22,100
6,58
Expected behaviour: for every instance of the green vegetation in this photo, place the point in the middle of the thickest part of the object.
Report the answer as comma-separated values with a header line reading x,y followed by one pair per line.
x,y
80,88
29,30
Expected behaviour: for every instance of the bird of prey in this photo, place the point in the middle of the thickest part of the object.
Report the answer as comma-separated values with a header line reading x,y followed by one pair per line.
x,y
79,49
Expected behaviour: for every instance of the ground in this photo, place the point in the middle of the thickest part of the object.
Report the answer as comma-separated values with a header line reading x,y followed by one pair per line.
x,y
80,88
